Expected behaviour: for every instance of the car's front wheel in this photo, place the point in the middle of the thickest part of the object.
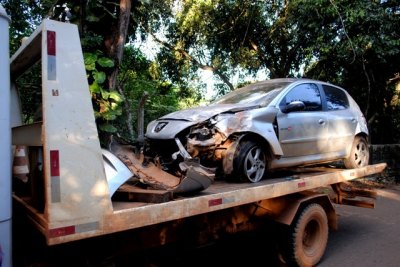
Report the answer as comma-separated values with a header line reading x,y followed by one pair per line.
x,y
359,154
249,162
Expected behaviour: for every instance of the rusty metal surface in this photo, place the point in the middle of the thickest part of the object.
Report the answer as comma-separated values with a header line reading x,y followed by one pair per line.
x,y
147,173
346,194
195,177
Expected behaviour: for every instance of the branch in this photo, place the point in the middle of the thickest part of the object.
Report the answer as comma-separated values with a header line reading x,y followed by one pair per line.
x,y
262,58
344,30
215,70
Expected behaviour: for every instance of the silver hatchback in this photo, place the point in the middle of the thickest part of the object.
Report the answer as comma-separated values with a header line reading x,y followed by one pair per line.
x,y
264,126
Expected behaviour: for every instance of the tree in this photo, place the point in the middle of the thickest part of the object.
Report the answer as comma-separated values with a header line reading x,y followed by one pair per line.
x,y
358,49
139,76
233,37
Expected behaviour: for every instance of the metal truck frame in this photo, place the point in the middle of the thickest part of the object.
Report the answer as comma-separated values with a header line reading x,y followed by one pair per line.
x,y
77,201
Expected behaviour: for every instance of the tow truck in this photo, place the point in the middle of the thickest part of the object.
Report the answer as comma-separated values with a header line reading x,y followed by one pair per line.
x,y
78,190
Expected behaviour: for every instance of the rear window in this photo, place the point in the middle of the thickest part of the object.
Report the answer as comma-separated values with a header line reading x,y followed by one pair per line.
x,y
336,98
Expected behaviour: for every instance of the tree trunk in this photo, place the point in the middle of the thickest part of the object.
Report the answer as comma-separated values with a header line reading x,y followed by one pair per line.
x,y
115,44
115,49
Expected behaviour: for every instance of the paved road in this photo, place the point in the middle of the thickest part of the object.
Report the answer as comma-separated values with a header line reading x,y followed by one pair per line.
x,y
367,237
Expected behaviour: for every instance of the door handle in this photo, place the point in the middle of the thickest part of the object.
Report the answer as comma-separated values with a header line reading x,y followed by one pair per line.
x,y
321,121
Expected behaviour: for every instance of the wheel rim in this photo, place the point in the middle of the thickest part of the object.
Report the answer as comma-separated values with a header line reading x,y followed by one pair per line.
x,y
255,164
361,154
310,238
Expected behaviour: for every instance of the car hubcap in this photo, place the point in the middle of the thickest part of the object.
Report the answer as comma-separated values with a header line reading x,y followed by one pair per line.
x,y
255,164
361,154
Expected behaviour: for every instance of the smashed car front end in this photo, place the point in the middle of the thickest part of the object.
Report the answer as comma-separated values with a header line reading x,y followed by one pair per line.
x,y
174,139
188,134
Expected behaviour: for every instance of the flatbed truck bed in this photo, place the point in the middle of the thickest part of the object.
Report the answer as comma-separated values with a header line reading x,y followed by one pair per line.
x,y
220,195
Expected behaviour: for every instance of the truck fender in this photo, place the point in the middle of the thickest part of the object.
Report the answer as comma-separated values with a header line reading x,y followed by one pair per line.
x,y
284,209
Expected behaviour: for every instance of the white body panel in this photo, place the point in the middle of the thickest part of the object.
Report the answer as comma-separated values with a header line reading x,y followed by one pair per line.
x,y
75,185
5,143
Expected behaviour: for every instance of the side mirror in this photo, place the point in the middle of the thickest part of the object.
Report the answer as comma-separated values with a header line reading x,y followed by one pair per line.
x,y
294,106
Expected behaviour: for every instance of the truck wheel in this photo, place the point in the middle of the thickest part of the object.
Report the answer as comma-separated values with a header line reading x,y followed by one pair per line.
x,y
359,154
308,236
249,162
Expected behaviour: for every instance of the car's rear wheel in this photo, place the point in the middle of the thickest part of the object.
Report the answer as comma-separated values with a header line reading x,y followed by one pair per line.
x,y
249,162
359,155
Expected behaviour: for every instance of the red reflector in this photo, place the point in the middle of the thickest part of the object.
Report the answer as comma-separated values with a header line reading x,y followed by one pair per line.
x,y
68,230
302,184
214,202
54,163
51,43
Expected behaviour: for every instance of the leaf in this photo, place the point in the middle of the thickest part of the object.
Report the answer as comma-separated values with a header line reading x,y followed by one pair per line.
x,y
108,128
115,96
105,62
104,94
115,107
92,18
95,88
109,116
90,58
99,76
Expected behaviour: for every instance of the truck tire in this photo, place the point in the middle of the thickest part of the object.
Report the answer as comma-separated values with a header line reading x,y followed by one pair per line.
x,y
359,154
249,163
308,236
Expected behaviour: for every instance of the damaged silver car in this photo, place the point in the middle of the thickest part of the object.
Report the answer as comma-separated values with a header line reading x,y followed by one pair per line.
x,y
261,127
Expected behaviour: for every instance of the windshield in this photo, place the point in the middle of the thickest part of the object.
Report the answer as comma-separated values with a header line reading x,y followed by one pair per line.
x,y
259,93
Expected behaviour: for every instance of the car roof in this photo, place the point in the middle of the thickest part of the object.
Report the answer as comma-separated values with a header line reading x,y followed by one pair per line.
x,y
291,81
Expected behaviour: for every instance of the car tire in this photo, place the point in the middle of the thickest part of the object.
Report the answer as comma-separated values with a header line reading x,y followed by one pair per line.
x,y
308,236
359,154
249,163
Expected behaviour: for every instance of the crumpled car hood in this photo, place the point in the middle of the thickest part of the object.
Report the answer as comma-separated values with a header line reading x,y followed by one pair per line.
x,y
177,121
199,114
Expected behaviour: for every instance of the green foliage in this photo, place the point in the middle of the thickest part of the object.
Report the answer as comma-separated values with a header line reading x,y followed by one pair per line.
x,y
139,76
106,103
359,50
25,16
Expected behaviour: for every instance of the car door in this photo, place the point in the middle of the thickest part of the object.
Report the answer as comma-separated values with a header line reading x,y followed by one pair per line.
x,y
305,132
342,121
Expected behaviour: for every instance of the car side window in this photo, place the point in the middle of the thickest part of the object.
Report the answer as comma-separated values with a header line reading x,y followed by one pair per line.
x,y
335,98
308,93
